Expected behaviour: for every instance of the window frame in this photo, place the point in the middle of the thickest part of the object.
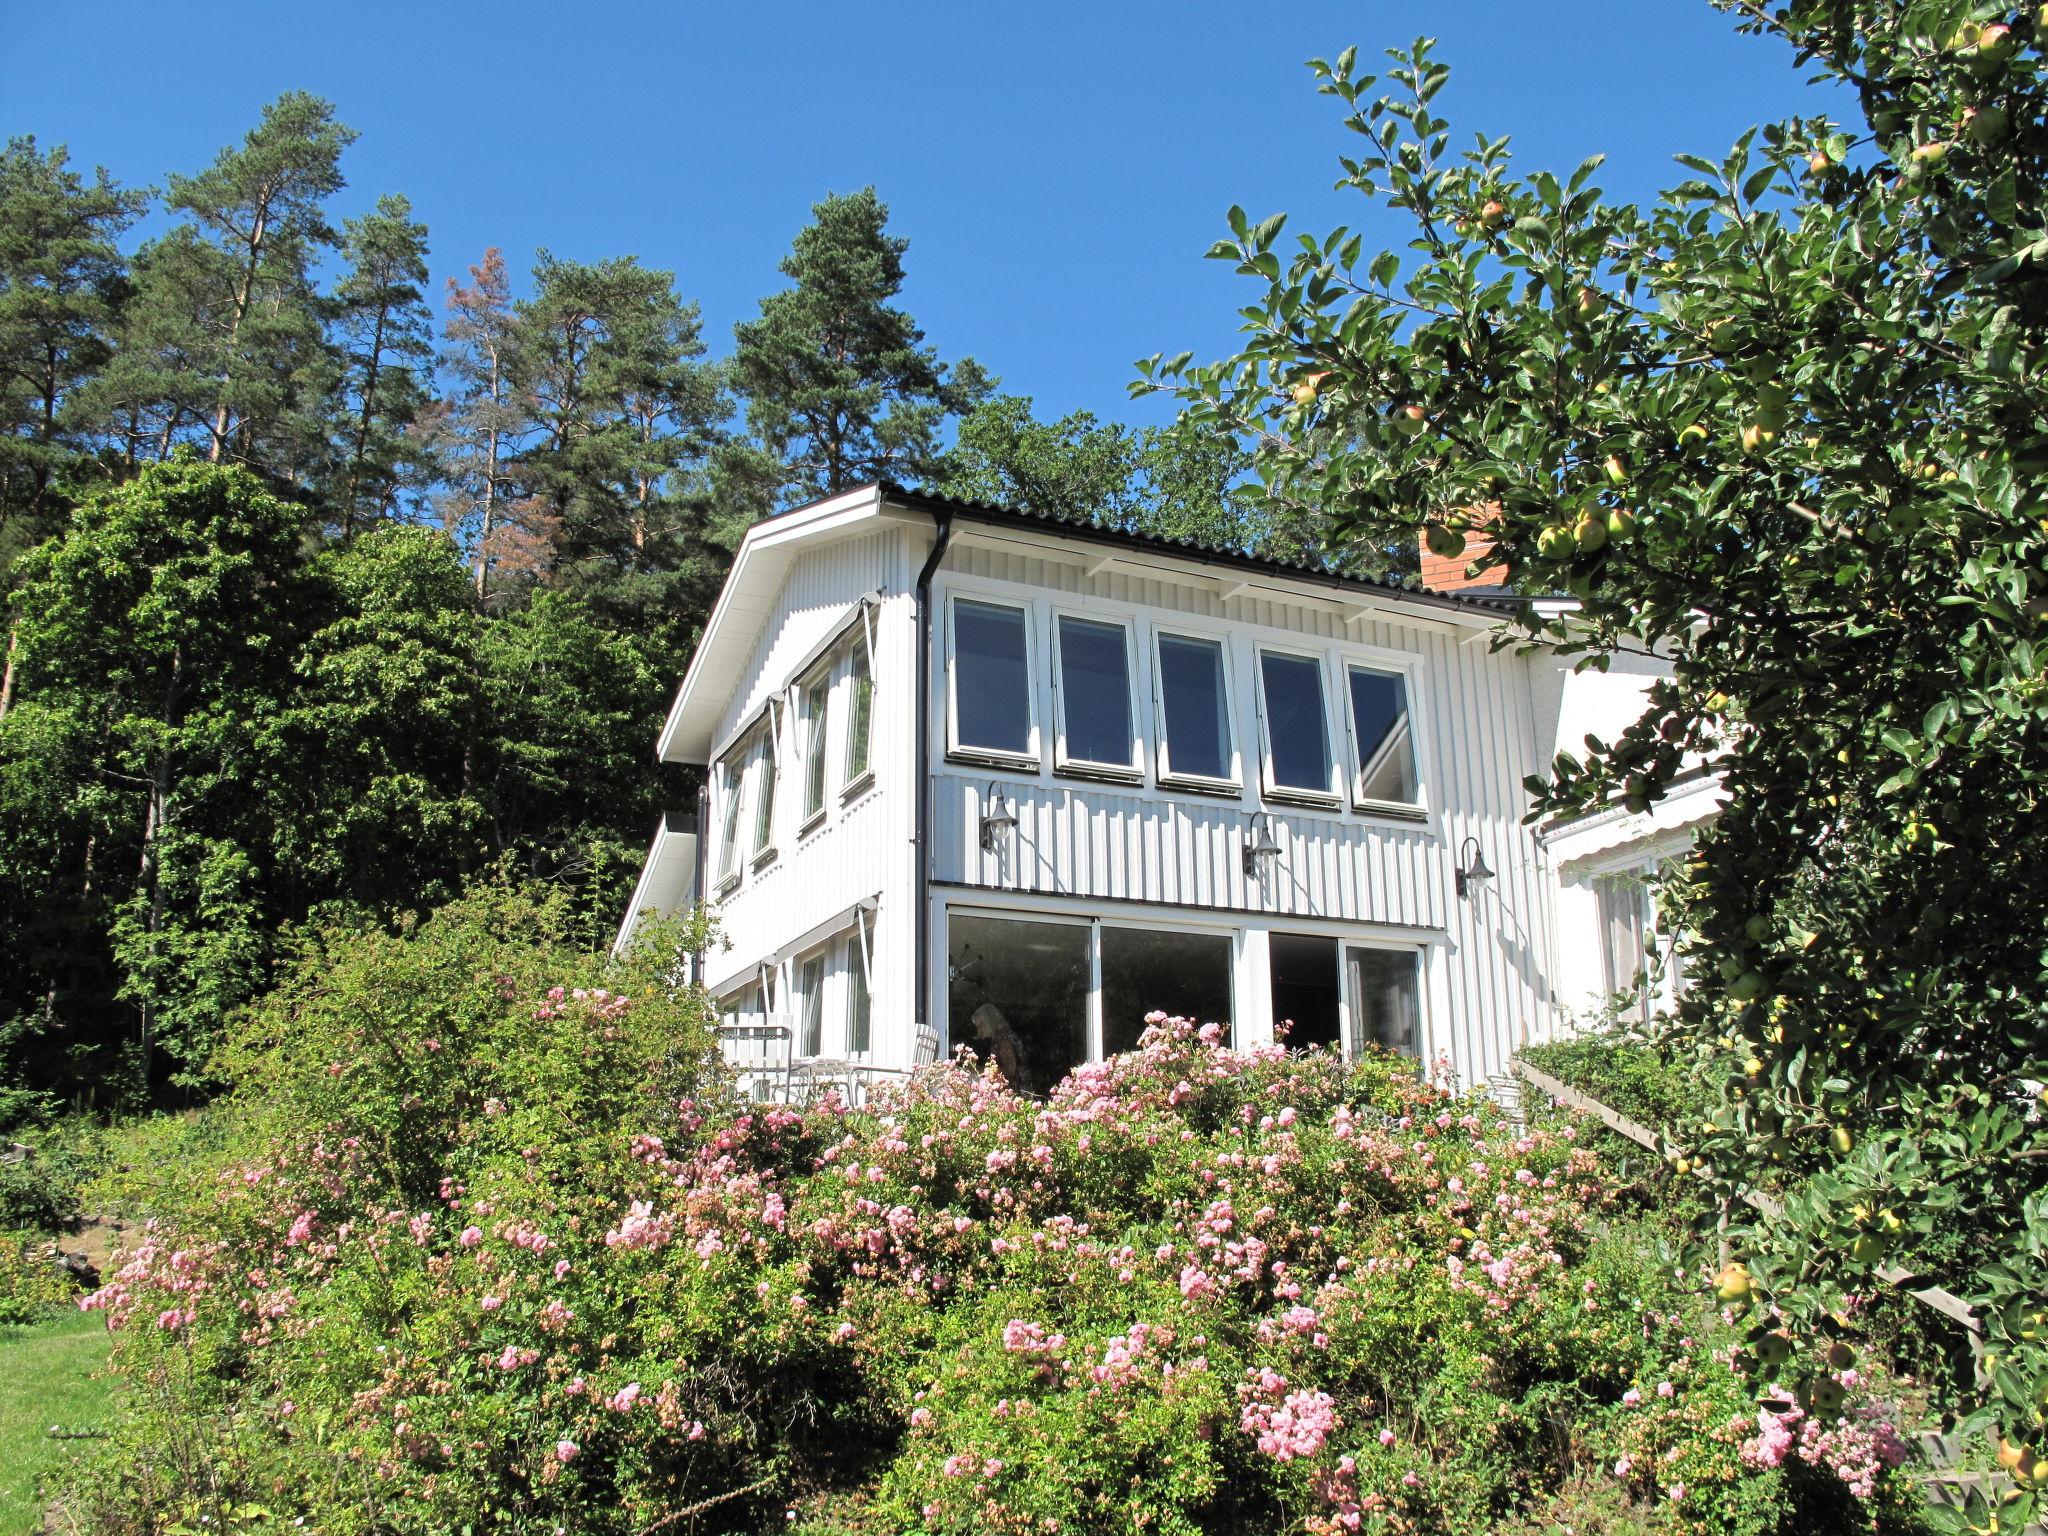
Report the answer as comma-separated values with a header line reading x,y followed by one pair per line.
x,y
808,1017
1287,794
1418,954
1064,762
815,731
1033,757
854,980
1408,672
860,664
732,778
1163,770
765,772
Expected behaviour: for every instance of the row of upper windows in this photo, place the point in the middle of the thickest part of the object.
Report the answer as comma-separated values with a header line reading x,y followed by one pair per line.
x,y
1099,729
835,699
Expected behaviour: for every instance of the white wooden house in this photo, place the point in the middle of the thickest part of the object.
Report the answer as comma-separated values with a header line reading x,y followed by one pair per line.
x,y
975,777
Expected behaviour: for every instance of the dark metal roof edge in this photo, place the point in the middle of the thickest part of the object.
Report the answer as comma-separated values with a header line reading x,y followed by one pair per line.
x,y
1205,554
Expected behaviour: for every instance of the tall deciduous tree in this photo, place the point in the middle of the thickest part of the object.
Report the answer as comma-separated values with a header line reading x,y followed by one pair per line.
x,y
385,335
61,273
1785,426
154,636
840,386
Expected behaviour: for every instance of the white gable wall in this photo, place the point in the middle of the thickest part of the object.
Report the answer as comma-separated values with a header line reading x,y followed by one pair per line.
x,y
861,853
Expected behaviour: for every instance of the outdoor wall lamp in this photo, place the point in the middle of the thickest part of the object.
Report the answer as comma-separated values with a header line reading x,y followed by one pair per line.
x,y
1475,873
997,823
1261,853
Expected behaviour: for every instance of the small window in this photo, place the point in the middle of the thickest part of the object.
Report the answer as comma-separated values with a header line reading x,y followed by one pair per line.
x,y
859,1025
991,679
1297,731
729,782
813,700
764,794
1386,740
1095,694
1386,1000
810,1001
860,710
1194,709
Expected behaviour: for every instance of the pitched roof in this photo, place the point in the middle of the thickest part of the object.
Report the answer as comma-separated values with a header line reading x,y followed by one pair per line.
x,y
1487,601
765,553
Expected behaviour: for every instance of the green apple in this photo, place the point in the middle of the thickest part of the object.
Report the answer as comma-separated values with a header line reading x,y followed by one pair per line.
x,y
1409,420
1590,534
1445,543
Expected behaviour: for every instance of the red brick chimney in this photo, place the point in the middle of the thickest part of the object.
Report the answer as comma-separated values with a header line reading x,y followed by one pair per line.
x,y
1441,575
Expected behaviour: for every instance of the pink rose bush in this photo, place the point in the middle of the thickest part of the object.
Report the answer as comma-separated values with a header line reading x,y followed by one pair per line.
x,y
1196,1289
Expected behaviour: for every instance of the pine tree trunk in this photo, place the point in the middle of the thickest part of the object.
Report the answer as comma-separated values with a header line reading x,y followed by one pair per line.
x,y
483,542
7,675
220,415
355,469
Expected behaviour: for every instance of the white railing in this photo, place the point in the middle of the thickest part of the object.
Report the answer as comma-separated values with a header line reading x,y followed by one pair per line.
x,y
766,1069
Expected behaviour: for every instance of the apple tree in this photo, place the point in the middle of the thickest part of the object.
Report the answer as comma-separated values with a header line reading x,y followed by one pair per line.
x,y
1788,424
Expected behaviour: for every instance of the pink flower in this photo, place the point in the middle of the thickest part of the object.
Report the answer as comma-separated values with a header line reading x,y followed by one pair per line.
x,y
514,1358
622,1400
471,1236
1631,1398
302,1229
565,1450
1386,1437
491,1303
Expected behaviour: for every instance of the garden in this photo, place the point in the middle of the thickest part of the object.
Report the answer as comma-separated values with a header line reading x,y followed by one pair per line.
x,y
479,1238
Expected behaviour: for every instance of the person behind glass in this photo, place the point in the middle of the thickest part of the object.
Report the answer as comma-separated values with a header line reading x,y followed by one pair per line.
x,y
998,1043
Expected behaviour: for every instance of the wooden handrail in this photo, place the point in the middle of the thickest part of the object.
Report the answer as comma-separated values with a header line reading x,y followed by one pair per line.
x,y
1947,1303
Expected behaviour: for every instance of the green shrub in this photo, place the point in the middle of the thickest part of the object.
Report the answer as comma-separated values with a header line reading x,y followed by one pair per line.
x,y
41,1189
496,1252
31,1283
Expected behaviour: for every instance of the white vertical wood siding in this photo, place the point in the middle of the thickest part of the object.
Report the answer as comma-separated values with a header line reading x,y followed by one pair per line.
x,y
863,848
1489,987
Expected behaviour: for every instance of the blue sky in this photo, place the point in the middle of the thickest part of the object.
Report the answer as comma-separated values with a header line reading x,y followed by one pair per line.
x,y
1059,168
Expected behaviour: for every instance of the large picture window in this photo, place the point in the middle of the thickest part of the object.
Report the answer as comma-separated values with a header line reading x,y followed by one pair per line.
x,y
1095,694
1184,974
1018,995
1195,739
1385,770
991,679
1386,1000
1297,728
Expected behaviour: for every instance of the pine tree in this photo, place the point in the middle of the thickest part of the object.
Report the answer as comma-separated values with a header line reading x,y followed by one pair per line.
x,y
626,418
61,277
384,332
840,387
479,427
224,341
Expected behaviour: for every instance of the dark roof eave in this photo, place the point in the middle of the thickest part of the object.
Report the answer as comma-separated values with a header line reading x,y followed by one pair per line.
x,y
925,501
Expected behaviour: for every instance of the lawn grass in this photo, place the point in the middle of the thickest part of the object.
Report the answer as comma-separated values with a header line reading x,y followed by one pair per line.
x,y
46,1378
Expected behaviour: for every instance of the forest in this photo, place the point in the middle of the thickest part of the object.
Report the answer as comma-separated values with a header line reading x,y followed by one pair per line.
x,y
326,593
